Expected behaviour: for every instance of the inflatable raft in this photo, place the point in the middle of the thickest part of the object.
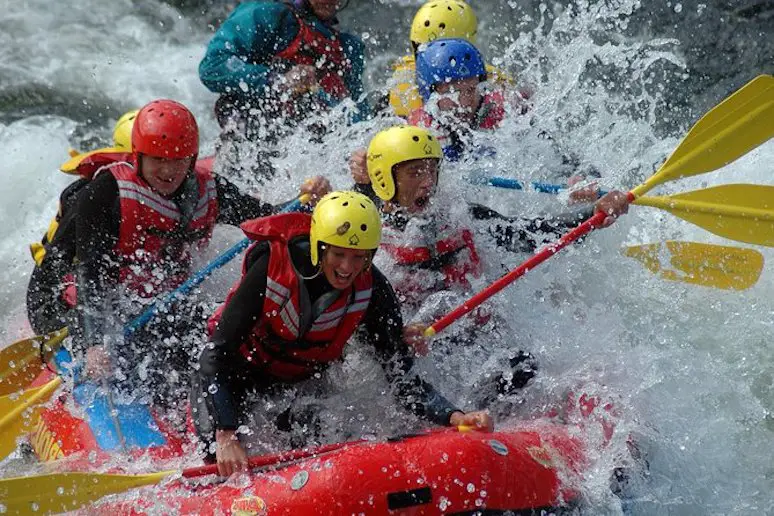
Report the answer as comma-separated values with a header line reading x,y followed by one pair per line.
x,y
533,466
520,470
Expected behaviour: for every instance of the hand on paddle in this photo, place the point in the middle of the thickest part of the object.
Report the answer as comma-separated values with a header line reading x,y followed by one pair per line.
x,y
301,79
414,337
358,167
480,420
613,204
229,453
315,188
98,363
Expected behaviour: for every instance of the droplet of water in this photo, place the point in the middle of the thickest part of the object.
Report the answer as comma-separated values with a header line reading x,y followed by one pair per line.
x,y
678,8
471,488
212,389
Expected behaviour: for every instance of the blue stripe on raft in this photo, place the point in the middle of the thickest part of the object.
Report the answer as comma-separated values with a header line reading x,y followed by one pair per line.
x,y
137,423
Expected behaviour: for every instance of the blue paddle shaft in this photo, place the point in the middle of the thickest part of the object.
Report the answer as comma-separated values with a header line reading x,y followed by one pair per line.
x,y
515,184
195,280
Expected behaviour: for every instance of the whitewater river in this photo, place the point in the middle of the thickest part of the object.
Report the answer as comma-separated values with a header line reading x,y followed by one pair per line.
x,y
617,83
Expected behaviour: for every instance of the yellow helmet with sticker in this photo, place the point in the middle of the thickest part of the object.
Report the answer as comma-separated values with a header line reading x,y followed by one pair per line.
x,y
122,134
397,145
345,219
444,19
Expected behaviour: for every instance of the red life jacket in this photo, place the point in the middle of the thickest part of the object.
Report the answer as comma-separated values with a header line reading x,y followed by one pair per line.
x,y
311,47
151,241
490,115
274,344
454,248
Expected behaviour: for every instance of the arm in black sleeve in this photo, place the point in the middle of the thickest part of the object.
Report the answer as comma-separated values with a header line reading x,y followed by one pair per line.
x,y
526,235
218,359
365,189
384,326
97,229
234,207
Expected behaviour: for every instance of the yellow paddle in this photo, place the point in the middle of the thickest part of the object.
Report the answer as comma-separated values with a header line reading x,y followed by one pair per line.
x,y
731,129
734,127
707,265
20,363
738,212
18,414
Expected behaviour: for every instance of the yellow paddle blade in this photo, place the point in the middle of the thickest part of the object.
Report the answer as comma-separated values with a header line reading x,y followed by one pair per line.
x,y
19,415
728,268
60,492
730,130
744,213
20,363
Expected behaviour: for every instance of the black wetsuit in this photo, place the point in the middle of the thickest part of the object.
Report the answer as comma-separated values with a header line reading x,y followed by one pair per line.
x,y
224,376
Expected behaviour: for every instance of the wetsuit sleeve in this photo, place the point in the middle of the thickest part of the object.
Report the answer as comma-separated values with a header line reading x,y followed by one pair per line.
x,y
219,359
240,53
384,327
526,235
97,229
366,190
235,207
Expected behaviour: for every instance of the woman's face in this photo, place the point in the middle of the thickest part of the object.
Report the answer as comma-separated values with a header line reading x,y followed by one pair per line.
x,y
341,265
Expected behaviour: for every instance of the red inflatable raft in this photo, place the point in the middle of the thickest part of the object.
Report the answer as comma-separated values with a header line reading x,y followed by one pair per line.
x,y
523,469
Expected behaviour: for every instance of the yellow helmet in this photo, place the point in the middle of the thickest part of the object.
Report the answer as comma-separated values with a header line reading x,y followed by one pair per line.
x,y
444,19
397,145
345,219
122,134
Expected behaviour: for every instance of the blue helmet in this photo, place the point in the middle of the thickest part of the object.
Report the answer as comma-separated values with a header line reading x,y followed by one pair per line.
x,y
444,60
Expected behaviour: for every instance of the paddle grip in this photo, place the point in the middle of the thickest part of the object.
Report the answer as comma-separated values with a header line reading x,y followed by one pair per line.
x,y
196,279
586,227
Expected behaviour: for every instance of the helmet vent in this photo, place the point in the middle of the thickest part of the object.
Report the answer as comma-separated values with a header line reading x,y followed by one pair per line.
x,y
345,203
441,25
363,227
415,138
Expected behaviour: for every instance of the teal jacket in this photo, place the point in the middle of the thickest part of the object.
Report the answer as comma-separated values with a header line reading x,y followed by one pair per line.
x,y
241,55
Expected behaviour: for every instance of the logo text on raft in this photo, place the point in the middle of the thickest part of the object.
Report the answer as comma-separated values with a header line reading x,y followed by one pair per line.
x,y
248,506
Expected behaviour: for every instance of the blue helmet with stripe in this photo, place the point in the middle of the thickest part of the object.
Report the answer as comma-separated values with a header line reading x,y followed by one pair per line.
x,y
446,60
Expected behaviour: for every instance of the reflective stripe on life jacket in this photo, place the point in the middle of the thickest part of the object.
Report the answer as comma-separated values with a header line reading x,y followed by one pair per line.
x,y
154,239
451,252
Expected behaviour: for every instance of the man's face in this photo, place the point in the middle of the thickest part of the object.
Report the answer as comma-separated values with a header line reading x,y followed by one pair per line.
x,y
164,175
325,9
459,98
415,183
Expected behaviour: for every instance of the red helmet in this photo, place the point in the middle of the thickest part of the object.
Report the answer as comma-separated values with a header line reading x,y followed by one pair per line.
x,y
165,129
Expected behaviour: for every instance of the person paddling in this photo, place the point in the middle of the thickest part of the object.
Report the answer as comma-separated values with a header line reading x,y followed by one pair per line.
x,y
130,237
429,253
308,285
275,65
